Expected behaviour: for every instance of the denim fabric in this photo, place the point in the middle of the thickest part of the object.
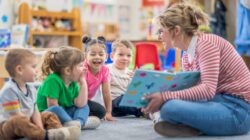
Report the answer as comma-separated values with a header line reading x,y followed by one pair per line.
x,y
71,113
223,115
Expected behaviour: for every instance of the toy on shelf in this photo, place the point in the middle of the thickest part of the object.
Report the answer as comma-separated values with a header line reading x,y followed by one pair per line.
x,y
5,38
46,23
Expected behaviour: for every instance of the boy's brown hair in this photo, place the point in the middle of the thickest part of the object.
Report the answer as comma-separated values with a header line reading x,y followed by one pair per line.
x,y
118,43
15,57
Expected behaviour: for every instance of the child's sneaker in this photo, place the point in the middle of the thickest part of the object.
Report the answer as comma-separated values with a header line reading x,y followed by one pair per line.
x,y
92,123
72,123
167,129
58,134
156,117
75,132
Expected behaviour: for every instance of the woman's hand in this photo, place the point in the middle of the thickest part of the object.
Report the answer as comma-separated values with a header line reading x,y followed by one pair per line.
x,y
155,102
109,117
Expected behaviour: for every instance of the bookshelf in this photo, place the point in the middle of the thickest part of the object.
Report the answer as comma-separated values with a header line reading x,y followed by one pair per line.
x,y
74,35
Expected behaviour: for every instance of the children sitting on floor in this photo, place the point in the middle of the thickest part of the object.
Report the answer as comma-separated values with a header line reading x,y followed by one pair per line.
x,y
64,90
98,74
21,117
121,77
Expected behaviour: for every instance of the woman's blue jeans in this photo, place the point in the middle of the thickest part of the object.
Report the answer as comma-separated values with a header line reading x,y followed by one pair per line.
x,y
71,113
222,116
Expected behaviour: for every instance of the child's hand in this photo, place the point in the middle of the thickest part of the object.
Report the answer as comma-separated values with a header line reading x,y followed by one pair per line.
x,y
83,75
131,74
109,117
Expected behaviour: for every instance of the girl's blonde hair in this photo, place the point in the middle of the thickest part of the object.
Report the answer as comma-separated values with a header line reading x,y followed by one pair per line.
x,y
55,61
118,43
88,42
185,15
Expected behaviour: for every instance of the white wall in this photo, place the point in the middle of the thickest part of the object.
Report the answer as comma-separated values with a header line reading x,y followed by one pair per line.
x,y
6,14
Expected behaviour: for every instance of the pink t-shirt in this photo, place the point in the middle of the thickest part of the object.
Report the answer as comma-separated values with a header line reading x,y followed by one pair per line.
x,y
94,81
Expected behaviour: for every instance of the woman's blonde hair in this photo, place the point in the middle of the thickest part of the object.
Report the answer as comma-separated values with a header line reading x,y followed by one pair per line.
x,y
118,43
185,15
56,60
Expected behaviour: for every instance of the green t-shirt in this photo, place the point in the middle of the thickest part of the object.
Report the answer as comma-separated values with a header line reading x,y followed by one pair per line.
x,y
53,87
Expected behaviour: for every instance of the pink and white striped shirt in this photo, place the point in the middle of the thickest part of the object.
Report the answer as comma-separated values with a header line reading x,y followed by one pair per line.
x,y
222,70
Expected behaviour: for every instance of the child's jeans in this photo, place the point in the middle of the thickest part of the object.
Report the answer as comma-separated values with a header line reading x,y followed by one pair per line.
x,y
119,111
71,113
21,126
223,115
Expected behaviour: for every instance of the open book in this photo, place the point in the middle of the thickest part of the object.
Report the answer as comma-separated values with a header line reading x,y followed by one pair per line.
x,y
148,82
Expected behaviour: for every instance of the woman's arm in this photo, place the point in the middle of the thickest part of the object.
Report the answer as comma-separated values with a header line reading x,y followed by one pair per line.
x,y
107,101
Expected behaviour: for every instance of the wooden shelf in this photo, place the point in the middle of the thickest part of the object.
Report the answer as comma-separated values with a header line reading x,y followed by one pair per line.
x,y
57,33
60,15
26,15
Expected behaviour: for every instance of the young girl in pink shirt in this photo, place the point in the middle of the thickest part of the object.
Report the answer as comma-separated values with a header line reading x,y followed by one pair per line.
x,y
98,74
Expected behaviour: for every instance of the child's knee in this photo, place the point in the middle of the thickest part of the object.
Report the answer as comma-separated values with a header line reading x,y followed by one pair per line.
x,y
54,108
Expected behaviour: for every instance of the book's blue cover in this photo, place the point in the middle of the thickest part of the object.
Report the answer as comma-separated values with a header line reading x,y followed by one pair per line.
x,y
148,82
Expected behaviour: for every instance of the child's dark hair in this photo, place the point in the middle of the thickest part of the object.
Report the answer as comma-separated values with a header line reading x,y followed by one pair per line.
x,y
17,56
55,61
88,42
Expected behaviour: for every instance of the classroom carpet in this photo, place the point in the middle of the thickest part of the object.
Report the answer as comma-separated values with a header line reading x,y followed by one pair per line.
x,y
131,128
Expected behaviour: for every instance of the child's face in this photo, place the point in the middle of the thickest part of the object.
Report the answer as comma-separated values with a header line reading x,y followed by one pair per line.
x,y
28,70
122,57
96,57
77,72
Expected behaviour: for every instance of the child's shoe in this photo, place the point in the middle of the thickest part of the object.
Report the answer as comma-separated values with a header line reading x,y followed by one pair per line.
x,y
92,123
156,117
58,134
167,129
72,123
75,132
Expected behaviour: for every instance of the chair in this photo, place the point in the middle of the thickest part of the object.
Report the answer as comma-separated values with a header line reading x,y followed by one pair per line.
x,y
147,53
109,51
169,63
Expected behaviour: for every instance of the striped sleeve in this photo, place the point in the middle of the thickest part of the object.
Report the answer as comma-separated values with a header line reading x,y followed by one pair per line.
x,y
209,62
11,106
10,102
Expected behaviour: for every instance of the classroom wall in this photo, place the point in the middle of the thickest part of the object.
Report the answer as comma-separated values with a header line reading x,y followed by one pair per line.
x,y
231,18
6,14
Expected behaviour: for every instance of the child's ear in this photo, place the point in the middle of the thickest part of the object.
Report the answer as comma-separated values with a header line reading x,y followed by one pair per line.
x,y
67,71
19,69
111,56
107,55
